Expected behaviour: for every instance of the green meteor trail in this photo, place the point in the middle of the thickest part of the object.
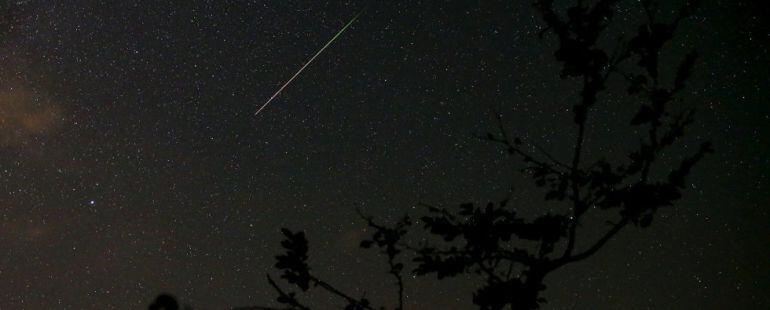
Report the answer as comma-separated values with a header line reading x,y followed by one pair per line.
x,y
308,62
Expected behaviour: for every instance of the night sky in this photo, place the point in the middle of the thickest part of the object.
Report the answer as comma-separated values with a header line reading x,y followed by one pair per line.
x,y
131,162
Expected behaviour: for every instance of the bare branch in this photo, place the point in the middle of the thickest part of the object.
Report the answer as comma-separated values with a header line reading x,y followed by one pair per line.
x,y
287,298
595,247
331,289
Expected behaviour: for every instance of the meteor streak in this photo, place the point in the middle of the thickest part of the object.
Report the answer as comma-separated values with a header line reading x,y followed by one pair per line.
x,y
308,62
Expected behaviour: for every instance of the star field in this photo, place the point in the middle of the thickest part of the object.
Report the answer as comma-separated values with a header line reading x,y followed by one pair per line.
x,y
131,162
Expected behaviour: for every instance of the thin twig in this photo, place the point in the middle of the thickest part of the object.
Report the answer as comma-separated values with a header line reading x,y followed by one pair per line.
x,y
290,299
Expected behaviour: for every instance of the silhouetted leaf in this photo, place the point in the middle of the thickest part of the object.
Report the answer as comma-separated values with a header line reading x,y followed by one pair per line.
x,y
294,262
645,221
636,84
644,115
398,267
685,69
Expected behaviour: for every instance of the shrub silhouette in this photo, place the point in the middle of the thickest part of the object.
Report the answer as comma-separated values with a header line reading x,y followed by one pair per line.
x,y
164,302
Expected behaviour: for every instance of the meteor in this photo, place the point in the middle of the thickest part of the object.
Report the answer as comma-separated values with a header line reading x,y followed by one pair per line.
x,y
308,62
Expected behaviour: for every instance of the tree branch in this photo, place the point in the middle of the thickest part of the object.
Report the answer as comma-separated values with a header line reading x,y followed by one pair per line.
x,y
328,287
594,248
288,298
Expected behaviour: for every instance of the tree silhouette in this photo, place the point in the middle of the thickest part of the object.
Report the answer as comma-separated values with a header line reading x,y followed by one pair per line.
x,y
514,254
